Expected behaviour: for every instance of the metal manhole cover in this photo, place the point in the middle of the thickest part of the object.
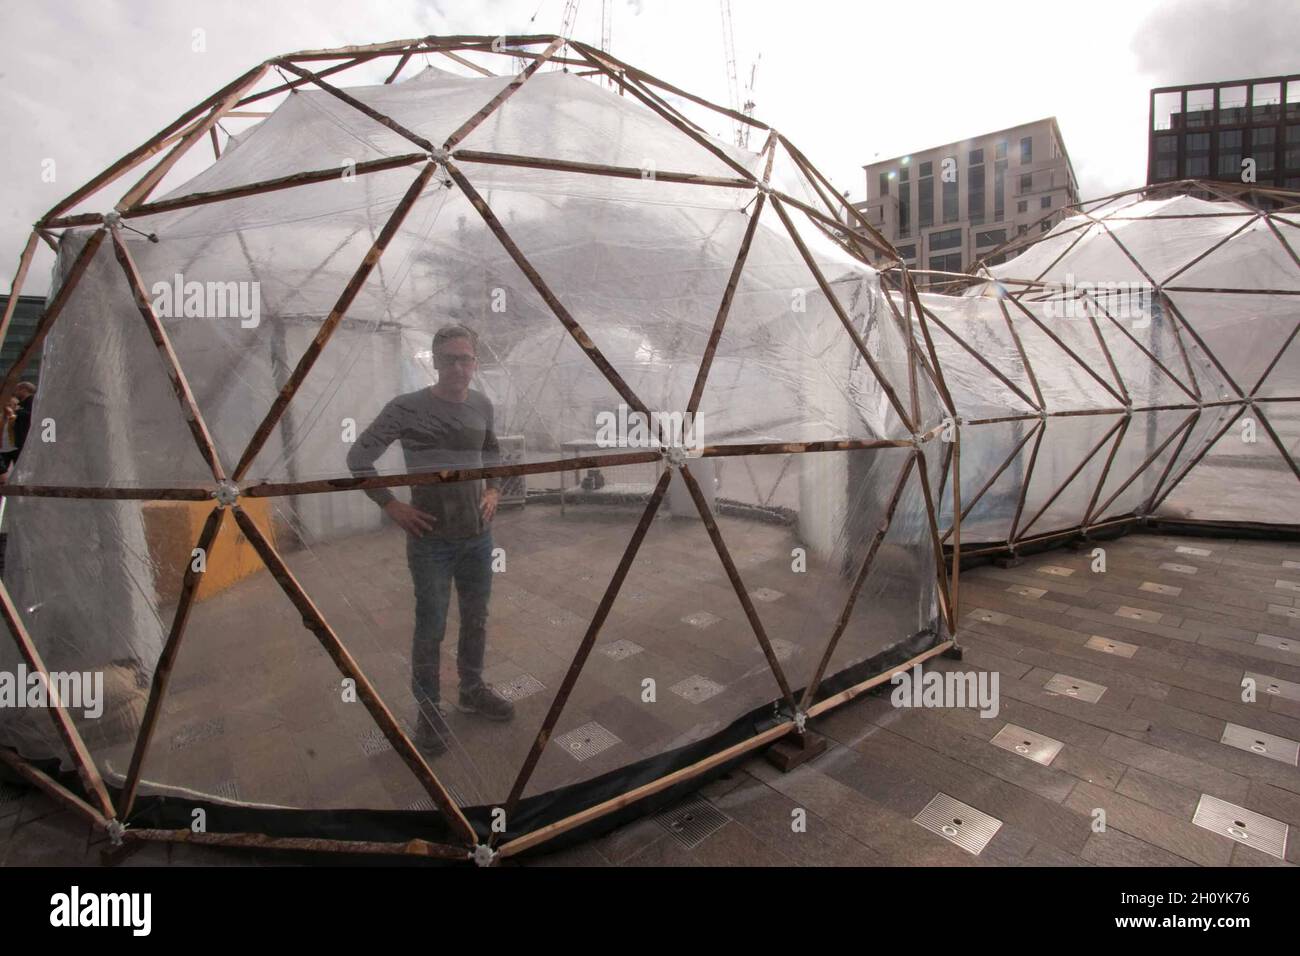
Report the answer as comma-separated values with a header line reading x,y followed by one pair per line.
x,y
1258,742
620,649
988,617
196,733
766,594
1035,746
1155,588
1278,643
1075,687
525,685
1056,569
1025,591
959,823
1110,646
1187,549
1245,826
1139,614
586,741
692,822
1178,568
697,688
1274,687
701,619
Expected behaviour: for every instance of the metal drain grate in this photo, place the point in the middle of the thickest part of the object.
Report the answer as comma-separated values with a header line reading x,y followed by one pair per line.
x,y
1025,591
1109,646
1258,742
1274,687
988,617
766,594
525,685
697,688
620,649
1178,568
959,823
585,742
374,742
1278,643
1139,614
227,790
1188,549
426,804
1245,826
1056,569
692,822
1155,588
1027,743
1074,687
196,733
701,619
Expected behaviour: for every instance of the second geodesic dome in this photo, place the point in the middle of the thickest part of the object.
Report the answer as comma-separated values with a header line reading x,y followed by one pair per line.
x,y
195,534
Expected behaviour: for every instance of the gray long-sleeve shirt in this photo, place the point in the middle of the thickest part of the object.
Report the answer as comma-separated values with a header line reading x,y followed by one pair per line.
x,y
436,434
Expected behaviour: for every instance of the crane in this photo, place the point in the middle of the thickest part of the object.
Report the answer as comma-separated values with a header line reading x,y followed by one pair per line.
x,y
733,83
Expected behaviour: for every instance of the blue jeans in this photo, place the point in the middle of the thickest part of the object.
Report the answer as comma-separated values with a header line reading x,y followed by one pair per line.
x,y
435,563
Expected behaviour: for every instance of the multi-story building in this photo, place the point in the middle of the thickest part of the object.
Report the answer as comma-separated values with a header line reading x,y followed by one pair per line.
x,y
1239,131
949,206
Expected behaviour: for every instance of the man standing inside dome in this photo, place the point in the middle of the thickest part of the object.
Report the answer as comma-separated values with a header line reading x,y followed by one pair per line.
x,y
448,524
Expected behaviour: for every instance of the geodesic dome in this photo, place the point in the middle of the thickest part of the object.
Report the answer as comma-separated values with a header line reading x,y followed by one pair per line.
x,y
1138,362
194,532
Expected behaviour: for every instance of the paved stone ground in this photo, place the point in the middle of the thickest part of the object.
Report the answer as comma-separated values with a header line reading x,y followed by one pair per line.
x,y
1145,752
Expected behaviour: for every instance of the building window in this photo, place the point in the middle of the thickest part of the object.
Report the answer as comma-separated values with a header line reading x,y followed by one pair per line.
x,y
904,205
1166,145
991,237
1001,151
1045,202
948,239
925,197
1026,183
1263,147
949,263
927,169
907,252
1166,169
884,184
1021,230
999,186
975,158
1026,150
975,190
1022,206
950,202
1292,158
1198,154
1045,225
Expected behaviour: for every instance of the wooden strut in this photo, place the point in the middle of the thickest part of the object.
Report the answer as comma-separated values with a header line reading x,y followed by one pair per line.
x,y
332,321
1105,470
1196,458
597,169
315,622
733,575
584,650
77,270
1029,433
63,725
1024,484
180,384
974,353
575,330
357,105
167,658
510,89
1073,474
1180,430
1144,350
842,622
835,305
409,848
728,294
55,790
141,190
16,286
932,519
1173,460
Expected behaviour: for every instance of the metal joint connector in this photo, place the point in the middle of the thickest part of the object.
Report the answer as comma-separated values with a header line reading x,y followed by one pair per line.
x,y
226,494
483,855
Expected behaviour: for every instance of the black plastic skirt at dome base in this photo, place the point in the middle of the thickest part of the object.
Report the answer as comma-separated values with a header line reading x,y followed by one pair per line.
x,y
400,826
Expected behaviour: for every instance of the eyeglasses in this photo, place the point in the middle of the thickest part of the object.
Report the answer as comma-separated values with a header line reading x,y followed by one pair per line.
x,y
463,360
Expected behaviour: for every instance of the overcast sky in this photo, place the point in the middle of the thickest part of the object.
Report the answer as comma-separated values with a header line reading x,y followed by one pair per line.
x,y
84,82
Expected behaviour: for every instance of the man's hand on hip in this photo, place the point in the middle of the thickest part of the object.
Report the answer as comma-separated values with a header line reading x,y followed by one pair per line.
x,y
412,520
488,508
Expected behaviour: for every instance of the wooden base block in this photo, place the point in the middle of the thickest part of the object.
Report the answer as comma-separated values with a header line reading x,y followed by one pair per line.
x,y
795,749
